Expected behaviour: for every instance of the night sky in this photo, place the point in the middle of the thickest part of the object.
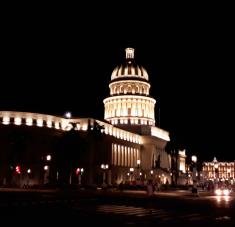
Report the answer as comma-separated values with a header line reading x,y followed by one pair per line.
x,y
55,61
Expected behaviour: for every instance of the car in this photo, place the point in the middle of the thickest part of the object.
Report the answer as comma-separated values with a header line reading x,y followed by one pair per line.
x,y
222,191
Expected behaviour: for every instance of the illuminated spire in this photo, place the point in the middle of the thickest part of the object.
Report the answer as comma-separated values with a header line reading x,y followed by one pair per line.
x,y
130,53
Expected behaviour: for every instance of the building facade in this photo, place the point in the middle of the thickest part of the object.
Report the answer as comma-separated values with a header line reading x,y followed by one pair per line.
x,y
126,147
219,171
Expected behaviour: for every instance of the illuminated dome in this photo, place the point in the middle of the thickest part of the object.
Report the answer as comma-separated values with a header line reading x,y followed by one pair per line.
x,y
129,103
129,69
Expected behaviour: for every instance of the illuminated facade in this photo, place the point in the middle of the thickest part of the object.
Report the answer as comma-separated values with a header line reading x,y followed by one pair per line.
x,y
130,145
216,170
131,108
181,161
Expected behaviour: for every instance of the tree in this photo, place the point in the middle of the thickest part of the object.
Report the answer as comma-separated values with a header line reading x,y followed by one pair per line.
x,y
17,155
69,152
173,148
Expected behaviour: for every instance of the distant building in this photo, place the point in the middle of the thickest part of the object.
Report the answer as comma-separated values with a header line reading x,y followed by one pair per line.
x,y
126,146
216,170
178,167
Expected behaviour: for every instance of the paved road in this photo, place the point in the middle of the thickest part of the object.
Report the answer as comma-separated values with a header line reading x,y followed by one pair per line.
x,y
115,208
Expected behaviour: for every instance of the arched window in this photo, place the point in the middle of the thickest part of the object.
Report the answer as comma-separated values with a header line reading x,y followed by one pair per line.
x,y
121,89
129,89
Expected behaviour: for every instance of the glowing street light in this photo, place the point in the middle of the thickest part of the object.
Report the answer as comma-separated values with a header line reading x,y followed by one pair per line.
x,y
194,160
151,173
104,167
68,115
79,172
216,166
48,157
138,170
28,177
131,172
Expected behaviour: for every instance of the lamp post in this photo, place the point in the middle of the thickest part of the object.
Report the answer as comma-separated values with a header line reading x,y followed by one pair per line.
x,y
104,167
46,173
194,162
28,177
151,173
48,157
216,167
47,169
79,172
131,173
138,170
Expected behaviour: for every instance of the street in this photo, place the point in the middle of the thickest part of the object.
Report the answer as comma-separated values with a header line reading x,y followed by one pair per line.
x,y
116,208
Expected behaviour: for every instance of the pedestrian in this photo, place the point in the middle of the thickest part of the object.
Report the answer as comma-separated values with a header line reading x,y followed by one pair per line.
x,y
150,191
121,186
150,188
167,184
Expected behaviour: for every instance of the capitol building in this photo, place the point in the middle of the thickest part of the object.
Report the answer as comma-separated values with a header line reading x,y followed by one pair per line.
x,y
126,146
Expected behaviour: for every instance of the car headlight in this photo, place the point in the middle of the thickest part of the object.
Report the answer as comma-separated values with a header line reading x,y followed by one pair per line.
x,y
226,192
218,192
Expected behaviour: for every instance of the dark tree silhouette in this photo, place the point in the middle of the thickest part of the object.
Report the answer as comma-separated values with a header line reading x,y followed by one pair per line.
x,y
172,148
69,152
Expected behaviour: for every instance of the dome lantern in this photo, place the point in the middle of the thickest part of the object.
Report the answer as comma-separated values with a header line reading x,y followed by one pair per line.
x,y
130,53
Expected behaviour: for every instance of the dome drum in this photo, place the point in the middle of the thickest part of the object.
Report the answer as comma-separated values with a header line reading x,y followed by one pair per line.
x,y
128,107
129,87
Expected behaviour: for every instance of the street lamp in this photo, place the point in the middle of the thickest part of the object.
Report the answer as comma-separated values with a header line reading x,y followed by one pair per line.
x,y
28,176
68,115
79,172
194,158
48,157
131,171
104,167
194,161
47,169
216,166
138,170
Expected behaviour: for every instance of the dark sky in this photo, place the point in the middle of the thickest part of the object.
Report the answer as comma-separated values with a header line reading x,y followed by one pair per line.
x,y
53,61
